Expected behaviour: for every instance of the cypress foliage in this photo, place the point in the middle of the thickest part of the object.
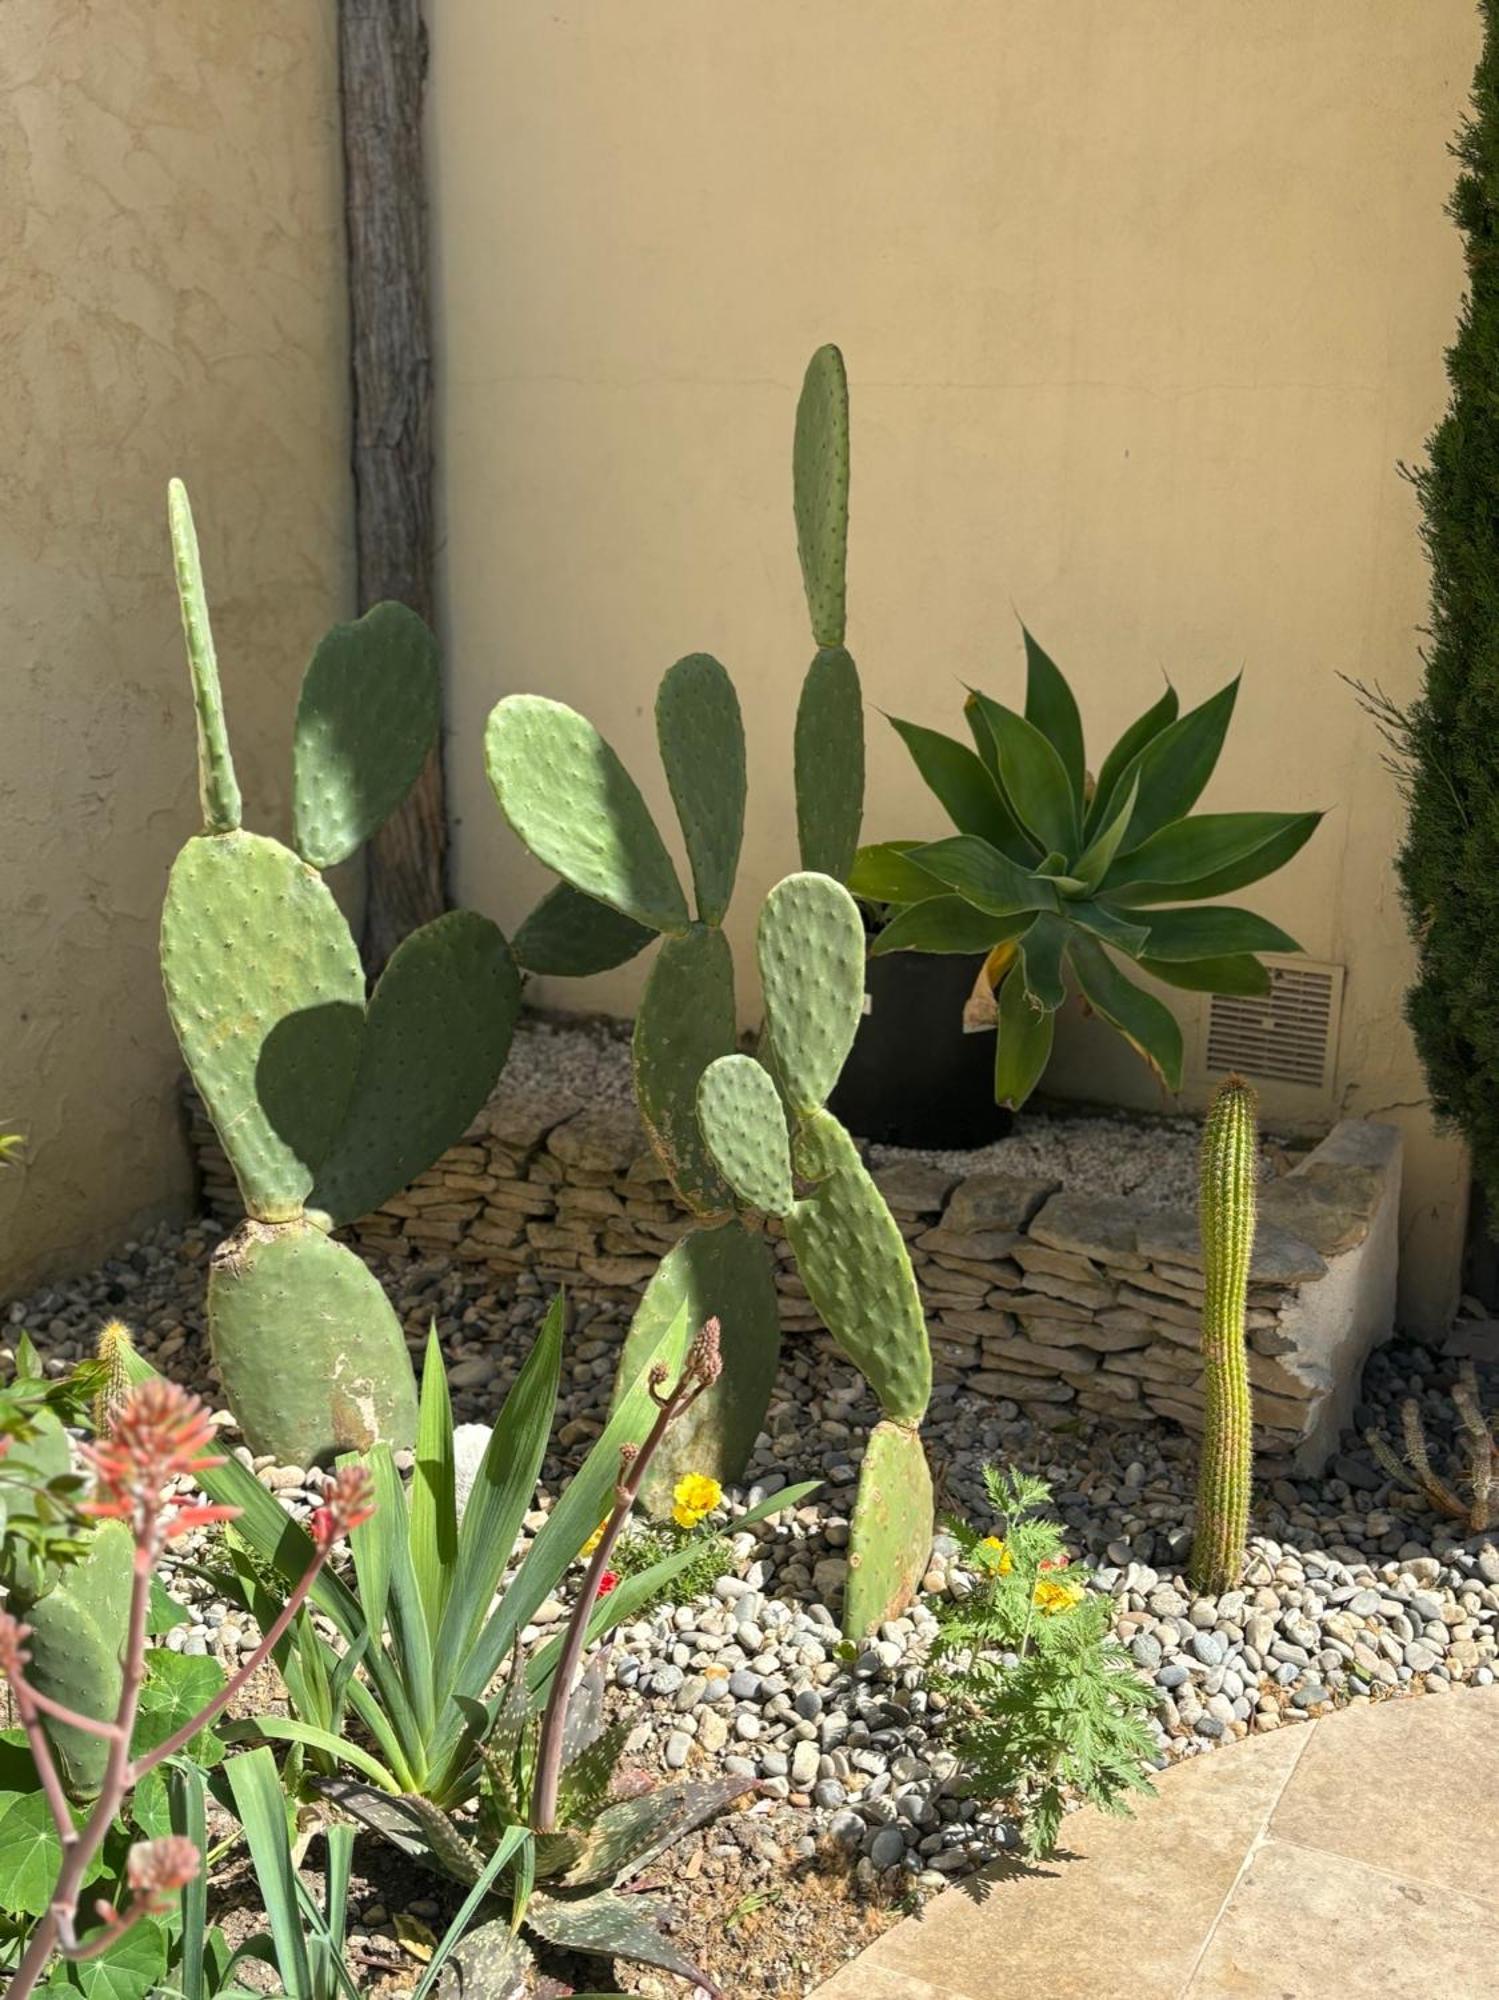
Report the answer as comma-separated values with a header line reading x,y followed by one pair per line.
x,y
1448,741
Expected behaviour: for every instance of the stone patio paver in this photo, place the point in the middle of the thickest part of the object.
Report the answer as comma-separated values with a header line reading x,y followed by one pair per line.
x,y
1332,1860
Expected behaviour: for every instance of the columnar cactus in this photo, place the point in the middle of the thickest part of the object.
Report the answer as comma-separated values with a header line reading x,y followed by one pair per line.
x,y
743,1142
1227,1210
326,1103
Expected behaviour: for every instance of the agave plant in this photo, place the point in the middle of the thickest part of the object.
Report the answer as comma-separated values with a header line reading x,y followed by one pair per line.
x,y
1050,867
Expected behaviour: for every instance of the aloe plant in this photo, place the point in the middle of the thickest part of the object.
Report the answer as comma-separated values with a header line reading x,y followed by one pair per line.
x,y
422,1633
1052,868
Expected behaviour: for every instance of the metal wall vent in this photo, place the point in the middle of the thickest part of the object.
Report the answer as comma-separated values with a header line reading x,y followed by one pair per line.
x,y
1290,1035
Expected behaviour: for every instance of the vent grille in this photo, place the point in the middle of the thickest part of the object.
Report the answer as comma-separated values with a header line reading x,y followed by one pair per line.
x,y
1288,1035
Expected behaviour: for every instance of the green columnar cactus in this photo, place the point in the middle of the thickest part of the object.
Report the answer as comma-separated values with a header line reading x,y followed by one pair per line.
x,y
1227,1209
744,1140
326,1103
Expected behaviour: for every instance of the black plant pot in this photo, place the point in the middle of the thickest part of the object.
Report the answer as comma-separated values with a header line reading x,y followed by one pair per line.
x,y
913,1077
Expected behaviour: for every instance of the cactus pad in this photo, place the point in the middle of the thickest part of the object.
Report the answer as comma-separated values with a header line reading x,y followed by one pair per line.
x,y
819,470
435,1039
578,809
727,1273
743,1123
701,736
252,942
890,1534
368,715
218,789
77,1633
857,1271
810,944
685,1021
288,1308
569,935
829,764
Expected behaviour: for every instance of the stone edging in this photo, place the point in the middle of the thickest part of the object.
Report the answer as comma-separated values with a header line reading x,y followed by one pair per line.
x,y
1048,1298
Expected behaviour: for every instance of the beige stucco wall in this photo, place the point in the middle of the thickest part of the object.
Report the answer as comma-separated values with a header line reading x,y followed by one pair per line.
x,y
171,241
1141,305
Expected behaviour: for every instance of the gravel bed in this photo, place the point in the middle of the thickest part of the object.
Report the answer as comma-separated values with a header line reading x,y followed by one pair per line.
x,y
1353,1593
1152,1160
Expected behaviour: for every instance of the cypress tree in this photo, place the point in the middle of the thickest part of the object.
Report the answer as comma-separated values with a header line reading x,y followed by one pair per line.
x,y
1447,742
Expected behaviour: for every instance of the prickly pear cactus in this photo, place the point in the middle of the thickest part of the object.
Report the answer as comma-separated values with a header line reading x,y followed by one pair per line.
x,y
744,1140
323,1102
890,1534
329,1382
77,1632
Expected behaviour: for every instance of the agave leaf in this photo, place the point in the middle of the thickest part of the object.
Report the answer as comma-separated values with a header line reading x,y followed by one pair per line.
x,y
1041,963
962,786
615,1926
1217,931
1051,708
1108,925
1242,974
1023,1046
1145,1022
1209,855
984,876
1175,766
1098,857
886,874
1035,780
1121,759
947,924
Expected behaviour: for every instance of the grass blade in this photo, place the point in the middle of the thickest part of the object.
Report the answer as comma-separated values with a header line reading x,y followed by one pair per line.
x,y
261,1808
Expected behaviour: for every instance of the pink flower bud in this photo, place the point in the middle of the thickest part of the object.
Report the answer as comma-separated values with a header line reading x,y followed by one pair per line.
x,y
348,1501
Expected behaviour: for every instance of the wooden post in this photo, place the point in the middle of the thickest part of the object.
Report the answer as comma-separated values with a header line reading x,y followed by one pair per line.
x,y
382,69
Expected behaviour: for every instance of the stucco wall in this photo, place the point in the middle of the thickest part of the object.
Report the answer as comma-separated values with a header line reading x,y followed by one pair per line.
x,y
171,238
1141,306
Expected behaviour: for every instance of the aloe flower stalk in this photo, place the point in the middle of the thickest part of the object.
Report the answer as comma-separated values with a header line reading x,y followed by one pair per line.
x,y
700,1371
160,1435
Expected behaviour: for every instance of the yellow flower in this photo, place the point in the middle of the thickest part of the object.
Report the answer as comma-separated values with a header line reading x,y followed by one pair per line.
x,y
595,1538
696,1495
1051,1597
994,1556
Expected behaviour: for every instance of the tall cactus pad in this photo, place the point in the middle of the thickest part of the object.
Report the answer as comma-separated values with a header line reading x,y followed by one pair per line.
x,y
810,945
218,788
685,1021
435,1039
568,935
289,1301
77,1631
579,811
829,764
724,1273
1227,1214
368,715
890,1534
856,1268
266,995
743,1123
819,469
701,735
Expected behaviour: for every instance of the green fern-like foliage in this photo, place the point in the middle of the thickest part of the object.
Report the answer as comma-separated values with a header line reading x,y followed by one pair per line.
x,y
1049,1707
643,1547
1447,743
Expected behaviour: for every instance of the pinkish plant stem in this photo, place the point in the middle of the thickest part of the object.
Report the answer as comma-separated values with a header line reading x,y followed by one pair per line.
x,y
700,1370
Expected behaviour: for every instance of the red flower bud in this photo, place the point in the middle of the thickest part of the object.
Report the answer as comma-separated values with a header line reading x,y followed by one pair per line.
x,y
348,1501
